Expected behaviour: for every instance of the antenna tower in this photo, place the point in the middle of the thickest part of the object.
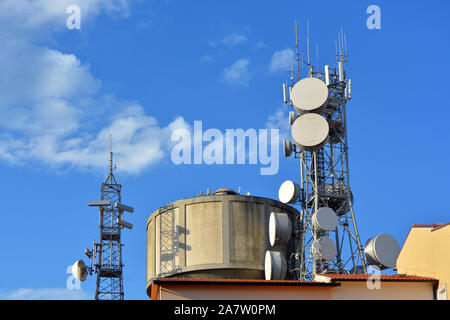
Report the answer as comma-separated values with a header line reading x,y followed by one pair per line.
x,y
106,256
324,174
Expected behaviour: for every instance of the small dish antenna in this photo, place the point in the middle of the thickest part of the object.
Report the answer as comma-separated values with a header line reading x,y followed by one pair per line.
x,y
289,192
79,270
325,249
325,219
280,229
275,265
382,250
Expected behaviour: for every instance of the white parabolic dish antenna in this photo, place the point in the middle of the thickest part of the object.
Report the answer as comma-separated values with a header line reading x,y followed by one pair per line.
x,y
325,219
382,250
289,192
280,229
325,248
79,270
309,94
275,266
310,131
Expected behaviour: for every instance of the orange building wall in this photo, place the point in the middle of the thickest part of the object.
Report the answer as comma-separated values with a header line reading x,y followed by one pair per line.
x,y
401,290
242,292
348,290
427,253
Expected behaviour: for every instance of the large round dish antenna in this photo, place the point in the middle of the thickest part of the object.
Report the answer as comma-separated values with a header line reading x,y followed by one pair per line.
x,y
309,94
310,131
289,192
382,250
280,229
79,270
325,249
275,265
325,219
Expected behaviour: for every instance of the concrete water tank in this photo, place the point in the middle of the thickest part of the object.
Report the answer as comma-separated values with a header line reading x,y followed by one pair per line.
x,y
224,235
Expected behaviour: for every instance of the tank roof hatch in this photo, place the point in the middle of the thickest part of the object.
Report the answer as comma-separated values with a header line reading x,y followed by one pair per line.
x,y
224,191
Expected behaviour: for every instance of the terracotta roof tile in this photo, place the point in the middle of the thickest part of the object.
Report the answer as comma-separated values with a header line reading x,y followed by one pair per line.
x,y
240,282
440,226
435,225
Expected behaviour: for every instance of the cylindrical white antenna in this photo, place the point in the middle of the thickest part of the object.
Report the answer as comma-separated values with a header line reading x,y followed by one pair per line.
x,y
349,88
341,70
285,100
290,95
327,75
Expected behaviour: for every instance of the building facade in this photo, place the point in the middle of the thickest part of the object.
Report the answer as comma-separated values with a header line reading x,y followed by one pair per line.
x,y
426,252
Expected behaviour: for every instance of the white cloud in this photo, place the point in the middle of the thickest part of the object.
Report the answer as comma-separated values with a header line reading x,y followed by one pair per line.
x,y
32,73
39,15
206,58
261,44
52,109
281,61
280,120
233,39
238,73
45,294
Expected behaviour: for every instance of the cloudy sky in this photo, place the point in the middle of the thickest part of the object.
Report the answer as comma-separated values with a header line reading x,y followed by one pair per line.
x,y
141,69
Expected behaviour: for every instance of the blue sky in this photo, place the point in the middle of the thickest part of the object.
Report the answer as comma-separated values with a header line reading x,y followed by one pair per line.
x,y
140,69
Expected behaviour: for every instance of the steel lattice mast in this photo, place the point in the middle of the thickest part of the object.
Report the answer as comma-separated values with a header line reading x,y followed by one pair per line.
x,y
324,182
106,256
108,252
108,265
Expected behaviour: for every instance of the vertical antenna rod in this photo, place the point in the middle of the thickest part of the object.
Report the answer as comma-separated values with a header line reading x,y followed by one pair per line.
x,y
110,155
307,39
317,56
297,50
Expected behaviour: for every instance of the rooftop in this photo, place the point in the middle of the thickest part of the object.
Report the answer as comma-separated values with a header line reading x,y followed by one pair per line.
x,y
383,277
322,282
434,226
240,282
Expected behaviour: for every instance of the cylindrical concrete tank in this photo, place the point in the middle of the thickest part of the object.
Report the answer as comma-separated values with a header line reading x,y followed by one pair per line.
x,y
224,235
